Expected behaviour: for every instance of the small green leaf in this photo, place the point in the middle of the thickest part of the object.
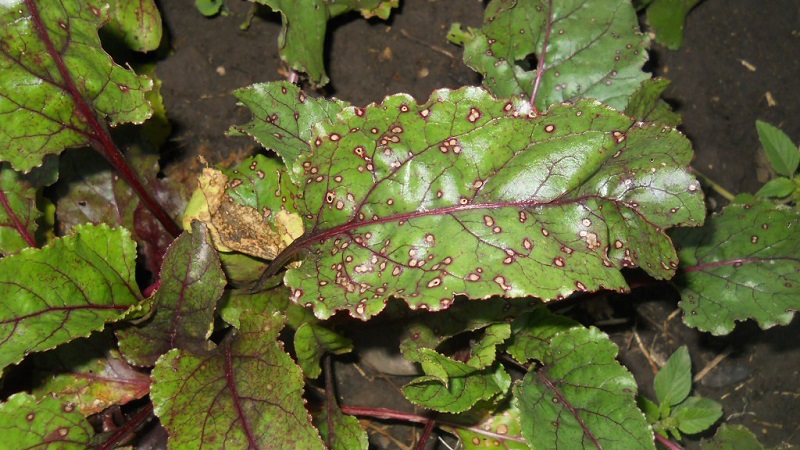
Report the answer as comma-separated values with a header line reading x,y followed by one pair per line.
x,y
312,341
485,350
742,264
44,112
696,414
674,381
191,283
783,155
452,386
593,50
347,432
646,104
208,8
18,211
284,117
777,188
49,423
248,393
503,202
732,437
500,430
531,333
667,18
89,373
651,411
269,301
581,397
65,290
137,24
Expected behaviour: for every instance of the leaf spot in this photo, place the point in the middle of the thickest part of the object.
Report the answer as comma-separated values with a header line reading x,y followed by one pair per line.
x,y
404,108
434,282
618,244
30,417
545,232
425,113
523,217
330,197
474,115
754,239
549,128
502,283
359,112
527,244
580,286
488,220
473,277
430,239
559,261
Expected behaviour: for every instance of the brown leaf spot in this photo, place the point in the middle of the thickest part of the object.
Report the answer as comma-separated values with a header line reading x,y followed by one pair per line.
x,y
502,283
435,282
559,261
488,220
474,115
549,128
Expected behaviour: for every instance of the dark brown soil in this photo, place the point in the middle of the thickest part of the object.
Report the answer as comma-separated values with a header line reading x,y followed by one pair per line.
x,y
740,62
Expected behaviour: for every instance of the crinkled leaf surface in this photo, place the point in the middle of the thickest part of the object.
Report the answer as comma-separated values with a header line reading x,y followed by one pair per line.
x,y
245,394
581,397
590,49
49,423
244,208
191,283
302,37
347,433
312,341
56,80
138,24
732,437
742,264
531,333
646,104
674,381
429,330
65,291
18,210
284,117
452,386
469,194
89,373
500,430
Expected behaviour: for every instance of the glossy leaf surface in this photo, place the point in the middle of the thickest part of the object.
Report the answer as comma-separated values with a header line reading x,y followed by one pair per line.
x,y
581,397
783,154
55,79
66,290
284,117
674,381
742,264
137,24
467,194
245,394
645,104
585,49
49,423
191,283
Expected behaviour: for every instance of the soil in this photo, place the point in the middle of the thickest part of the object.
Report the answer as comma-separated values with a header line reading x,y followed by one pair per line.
x,y
739,62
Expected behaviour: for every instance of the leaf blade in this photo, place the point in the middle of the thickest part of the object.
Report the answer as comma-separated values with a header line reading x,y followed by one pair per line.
x,y
783,155
674,381
45,423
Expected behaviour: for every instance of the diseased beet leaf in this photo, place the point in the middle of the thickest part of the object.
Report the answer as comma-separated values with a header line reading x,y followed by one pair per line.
x,y
247,393
743,264
581,397
191,282
49,423
89,373
342,431
137,24
584,49
284,117
467,194
56,80
18,211
66,290
499,431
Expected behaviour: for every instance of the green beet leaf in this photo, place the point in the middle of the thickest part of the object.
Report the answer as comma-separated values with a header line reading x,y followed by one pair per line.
x,y
743,264
581,397
452,386
674,381
18,211
284,117
247,393
783,155
646,104
312,341
302,39
90,374
732,437
585,49
191,283
500,431
47,48
667,18
49,423
137,24
531,333
66,290
235,302
467,194
342,431
778,188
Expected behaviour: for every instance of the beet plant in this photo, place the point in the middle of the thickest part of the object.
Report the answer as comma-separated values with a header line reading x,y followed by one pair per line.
x,y
478,209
